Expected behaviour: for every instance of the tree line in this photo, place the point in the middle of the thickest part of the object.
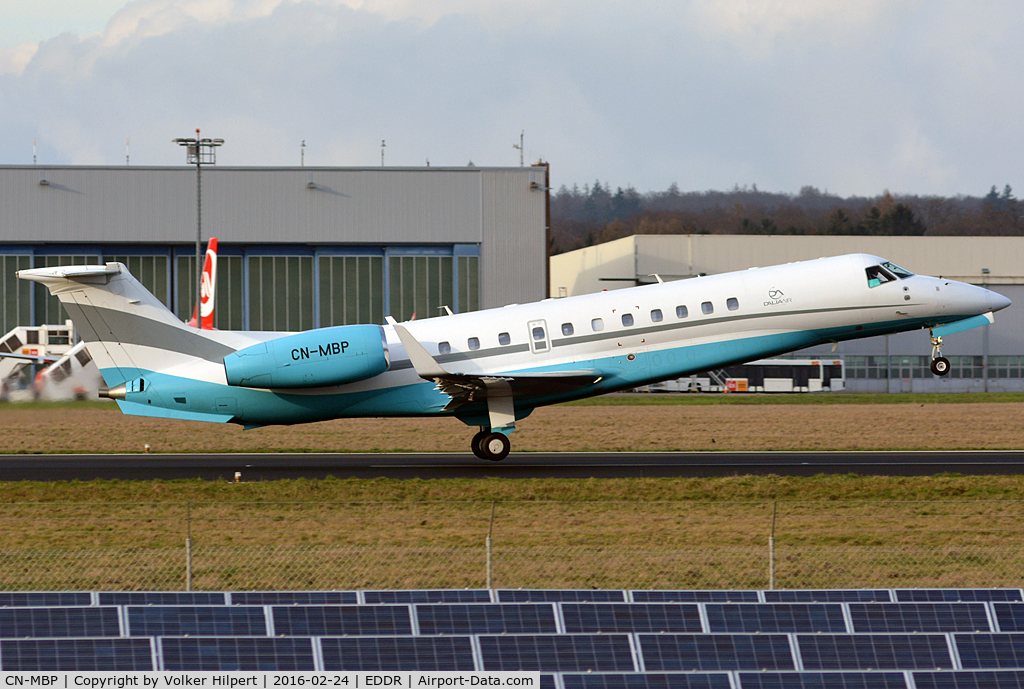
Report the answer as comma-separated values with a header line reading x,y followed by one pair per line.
x,y
595,214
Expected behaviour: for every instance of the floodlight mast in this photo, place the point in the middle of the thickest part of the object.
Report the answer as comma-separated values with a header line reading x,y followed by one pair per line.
x,y
199,152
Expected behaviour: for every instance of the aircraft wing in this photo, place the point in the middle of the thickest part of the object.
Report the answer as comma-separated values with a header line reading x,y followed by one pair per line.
x,y
477,387
35,358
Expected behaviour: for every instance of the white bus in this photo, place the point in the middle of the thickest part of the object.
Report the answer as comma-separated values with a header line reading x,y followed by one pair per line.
x,y
765,375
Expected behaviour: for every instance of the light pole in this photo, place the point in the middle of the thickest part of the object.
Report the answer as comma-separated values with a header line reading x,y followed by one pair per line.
x,y
200,152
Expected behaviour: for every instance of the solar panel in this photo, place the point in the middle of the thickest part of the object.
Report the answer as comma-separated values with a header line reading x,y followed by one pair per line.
x,y
76,654
561,653
558,596
341,620
775,617
631,617
294,598
704,652
161,598
424,653
874,651
510,618
1009,616
242,653
953,595
196,620
990,651
979,679
690,680
547,682
11,599
822,680
695,597
429,596
919,617
829,596
58,622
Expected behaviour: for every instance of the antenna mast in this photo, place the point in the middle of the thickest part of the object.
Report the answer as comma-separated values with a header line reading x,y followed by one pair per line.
x,y
520,147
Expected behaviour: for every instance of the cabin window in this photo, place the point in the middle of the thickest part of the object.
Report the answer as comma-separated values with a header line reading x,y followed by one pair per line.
x,y
474,343
682,312
627,319
597,324
444,348
656,316
504,339
896,270
567,329
707,308
878,275
732,303
538,334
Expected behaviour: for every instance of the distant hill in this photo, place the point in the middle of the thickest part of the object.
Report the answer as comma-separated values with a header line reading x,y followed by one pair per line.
x,y
595,214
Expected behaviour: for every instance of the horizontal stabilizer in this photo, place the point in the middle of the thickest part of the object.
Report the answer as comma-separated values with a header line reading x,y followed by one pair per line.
x,y
965,324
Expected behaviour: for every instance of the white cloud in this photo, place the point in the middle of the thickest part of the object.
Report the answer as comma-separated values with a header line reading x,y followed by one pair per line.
x,y
14,60
856,97
758,26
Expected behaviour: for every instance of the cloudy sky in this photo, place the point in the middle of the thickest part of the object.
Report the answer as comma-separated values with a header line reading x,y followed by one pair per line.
x,y
857,96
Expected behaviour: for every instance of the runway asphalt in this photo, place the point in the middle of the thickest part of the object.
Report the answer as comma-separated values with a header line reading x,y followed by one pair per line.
x,y
267,466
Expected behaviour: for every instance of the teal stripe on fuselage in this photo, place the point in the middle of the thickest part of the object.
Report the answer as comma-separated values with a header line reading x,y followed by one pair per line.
x,y
264,407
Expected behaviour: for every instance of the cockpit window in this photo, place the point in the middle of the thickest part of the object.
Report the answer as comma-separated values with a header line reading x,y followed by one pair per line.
x,y
877,275
896,270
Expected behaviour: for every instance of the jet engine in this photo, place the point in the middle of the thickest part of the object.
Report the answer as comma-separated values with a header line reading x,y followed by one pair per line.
x,y
316,358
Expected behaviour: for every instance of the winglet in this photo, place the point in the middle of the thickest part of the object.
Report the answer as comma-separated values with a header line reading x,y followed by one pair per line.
x,y
426,366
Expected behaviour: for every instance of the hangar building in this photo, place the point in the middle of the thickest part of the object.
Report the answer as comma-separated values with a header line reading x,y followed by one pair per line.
x,y
299,247
985,359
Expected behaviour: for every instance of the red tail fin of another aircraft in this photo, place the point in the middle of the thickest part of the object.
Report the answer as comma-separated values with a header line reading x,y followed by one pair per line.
x,y
208,286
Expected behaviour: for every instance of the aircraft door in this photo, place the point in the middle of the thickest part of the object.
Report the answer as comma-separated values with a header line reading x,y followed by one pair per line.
x,y
540,340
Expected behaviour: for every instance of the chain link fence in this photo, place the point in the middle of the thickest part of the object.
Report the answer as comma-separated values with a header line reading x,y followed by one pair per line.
x,y
324,546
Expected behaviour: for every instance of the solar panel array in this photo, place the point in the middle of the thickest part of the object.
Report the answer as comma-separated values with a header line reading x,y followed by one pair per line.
x,y
577,639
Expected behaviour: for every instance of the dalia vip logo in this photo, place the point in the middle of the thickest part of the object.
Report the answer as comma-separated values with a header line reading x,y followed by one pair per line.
x,y
776,297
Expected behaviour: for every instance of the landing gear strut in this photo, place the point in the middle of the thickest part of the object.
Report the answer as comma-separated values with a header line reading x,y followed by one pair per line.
x,y
492,446
940,364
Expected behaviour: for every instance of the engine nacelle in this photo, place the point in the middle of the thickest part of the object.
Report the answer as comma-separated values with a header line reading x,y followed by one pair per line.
x,y
313,359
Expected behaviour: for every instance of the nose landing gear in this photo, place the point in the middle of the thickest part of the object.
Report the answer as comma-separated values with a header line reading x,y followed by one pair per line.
x,y
492,446
940,364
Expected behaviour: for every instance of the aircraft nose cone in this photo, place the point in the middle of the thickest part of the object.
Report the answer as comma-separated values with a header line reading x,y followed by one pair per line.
x,y
997,301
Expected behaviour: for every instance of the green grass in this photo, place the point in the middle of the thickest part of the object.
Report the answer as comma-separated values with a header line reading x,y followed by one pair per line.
x,y
44,405
830,532
823,488
695,399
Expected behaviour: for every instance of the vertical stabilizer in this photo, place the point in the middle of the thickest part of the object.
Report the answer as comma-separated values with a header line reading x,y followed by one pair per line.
x,y
208,287
128,331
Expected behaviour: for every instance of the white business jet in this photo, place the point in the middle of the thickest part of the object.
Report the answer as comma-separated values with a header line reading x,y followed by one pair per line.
x,y
492,368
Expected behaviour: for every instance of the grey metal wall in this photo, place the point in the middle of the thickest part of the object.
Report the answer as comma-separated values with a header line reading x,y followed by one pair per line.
x,y
509,254
503,210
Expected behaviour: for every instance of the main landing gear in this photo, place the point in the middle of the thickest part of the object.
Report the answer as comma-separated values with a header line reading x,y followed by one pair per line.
x,y
940,364
492,446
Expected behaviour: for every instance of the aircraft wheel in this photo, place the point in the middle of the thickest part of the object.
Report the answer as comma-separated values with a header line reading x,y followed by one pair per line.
x,y
496,446
477,444
940,366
